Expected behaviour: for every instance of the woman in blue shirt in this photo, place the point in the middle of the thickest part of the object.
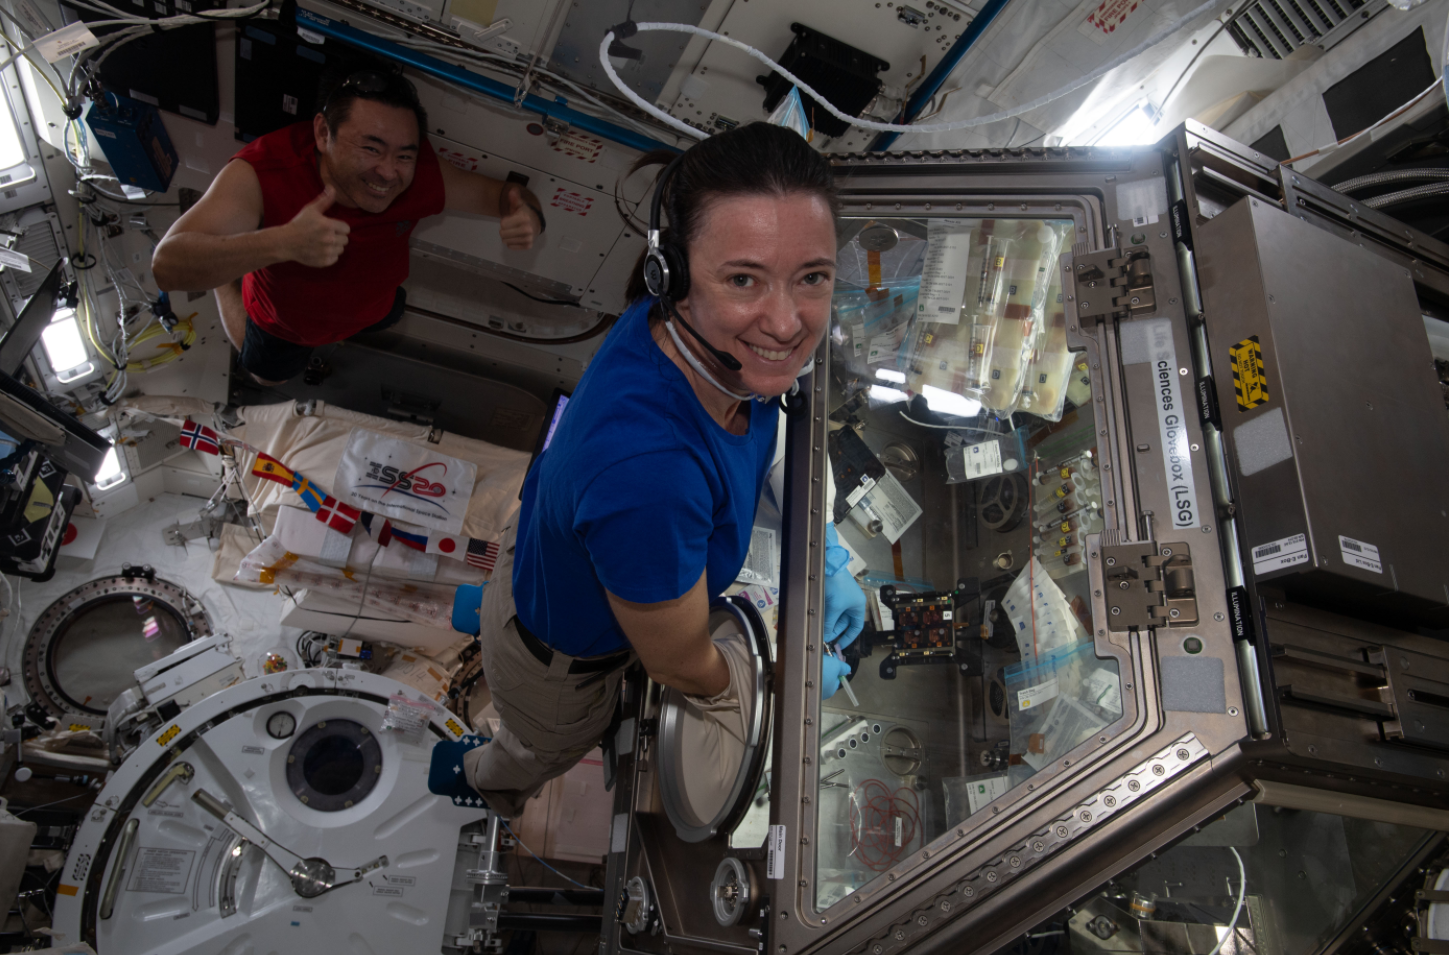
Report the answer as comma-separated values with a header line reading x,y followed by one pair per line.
x,y
640,510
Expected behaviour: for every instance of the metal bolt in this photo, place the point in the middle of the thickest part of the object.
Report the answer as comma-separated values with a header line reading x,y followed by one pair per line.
x,y
1085,816
992,877
1111,562
1218,617
1159,770
1183,754
1232,711
1134,785
1116,611
945,905
1110,802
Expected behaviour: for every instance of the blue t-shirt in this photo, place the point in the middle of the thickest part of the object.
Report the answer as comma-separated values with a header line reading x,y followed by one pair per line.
x,y
639,492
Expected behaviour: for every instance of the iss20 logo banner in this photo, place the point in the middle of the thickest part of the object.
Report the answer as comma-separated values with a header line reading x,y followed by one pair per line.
x,y
405,481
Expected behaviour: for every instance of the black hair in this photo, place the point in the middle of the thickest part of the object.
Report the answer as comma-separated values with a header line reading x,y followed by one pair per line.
x,y
388,87
756,159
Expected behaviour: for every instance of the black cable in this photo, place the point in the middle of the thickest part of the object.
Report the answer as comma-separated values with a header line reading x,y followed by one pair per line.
x,y
546,301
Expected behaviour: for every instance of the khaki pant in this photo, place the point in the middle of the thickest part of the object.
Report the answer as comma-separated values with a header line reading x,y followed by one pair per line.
x,y
548,722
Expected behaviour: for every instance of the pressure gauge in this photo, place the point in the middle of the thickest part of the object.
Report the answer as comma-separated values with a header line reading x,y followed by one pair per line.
x,y
281,725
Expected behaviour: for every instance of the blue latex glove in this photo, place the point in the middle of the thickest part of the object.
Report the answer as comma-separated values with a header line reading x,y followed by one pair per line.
x,y
844,600
831,670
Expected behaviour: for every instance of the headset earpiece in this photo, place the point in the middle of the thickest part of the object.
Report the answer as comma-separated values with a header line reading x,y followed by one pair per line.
x,y
666,271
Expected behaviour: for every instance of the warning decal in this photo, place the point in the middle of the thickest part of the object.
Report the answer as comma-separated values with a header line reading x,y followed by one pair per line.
x,y
1250,381
579,146
1107,17
571,201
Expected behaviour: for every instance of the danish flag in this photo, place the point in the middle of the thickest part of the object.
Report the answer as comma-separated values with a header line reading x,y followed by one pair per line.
x,y
337,515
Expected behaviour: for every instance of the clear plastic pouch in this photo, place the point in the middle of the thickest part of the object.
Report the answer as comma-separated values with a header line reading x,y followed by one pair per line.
x,y
1059,701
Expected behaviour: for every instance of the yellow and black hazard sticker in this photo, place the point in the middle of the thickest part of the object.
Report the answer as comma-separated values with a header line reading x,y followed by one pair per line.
x,y
1250,381
169,734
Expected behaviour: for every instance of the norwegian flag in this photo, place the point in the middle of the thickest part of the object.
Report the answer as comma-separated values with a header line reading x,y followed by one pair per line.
x,y
448,545
337,515
198,437
415,541
482,554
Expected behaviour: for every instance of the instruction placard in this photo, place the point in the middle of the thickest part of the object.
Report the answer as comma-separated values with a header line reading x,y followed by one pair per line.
x,y
943,275
1285,552
162,870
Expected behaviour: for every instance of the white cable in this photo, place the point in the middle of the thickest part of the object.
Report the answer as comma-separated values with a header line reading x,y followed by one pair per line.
x,y
825,104
697,365
1237,909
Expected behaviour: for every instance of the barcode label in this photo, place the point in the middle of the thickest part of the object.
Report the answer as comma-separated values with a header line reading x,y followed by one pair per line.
x,y
946,309
775,853
1278,554
1357,553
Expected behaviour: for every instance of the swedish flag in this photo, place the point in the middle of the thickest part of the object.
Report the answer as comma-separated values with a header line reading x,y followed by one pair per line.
x,y
310,494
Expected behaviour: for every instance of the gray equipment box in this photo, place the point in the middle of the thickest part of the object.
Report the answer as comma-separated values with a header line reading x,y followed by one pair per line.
x,y
1334,427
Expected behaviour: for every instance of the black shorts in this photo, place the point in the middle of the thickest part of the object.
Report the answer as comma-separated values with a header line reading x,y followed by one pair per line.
x,y
275,359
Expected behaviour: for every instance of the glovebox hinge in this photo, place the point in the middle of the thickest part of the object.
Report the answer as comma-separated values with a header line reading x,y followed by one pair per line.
x,y
1149,584
1113,283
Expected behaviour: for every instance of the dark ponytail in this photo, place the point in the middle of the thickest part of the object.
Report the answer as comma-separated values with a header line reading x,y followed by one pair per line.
x,y
757,159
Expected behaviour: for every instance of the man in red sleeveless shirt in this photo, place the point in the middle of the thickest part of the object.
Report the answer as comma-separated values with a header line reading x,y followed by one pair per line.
x,y
304,234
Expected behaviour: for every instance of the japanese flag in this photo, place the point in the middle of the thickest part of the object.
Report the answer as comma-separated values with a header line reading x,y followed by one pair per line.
x,y
449,545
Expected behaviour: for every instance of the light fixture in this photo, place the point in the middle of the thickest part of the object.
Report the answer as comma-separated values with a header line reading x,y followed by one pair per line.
x,y
942,401
65,349
112,472
887,374
1135,128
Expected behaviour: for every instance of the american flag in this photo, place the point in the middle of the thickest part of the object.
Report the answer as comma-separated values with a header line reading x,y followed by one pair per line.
x,y
482,554
337,515
199,438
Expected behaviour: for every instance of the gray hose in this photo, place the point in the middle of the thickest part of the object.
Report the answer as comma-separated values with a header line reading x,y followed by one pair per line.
x,y
1397,175
1408,195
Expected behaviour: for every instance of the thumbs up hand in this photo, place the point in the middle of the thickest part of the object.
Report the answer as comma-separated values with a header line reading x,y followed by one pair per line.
x,y
315,238
520,223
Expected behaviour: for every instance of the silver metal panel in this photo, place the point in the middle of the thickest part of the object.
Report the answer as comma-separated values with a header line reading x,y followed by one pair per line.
x,y
1348,365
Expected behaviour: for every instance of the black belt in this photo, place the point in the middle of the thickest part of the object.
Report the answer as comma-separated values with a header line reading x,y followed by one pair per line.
x,y
544,654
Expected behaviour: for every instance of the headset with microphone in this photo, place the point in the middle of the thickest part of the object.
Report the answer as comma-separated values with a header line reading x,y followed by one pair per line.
x,y
666,268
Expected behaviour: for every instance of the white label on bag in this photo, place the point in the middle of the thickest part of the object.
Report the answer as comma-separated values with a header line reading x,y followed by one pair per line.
x,y
1360,554
775,847
943,275
1037,695
982,460
1276,555
66,41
